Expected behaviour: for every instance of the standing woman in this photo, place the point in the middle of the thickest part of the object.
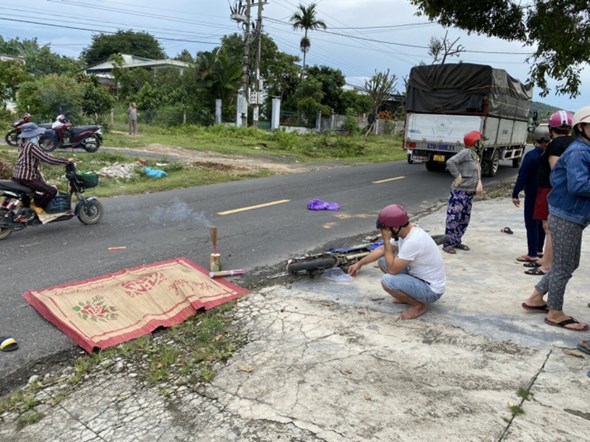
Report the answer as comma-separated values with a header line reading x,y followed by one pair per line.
x,y
569,214
132,114
465,168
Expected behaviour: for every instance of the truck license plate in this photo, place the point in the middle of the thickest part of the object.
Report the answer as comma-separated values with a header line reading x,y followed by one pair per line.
x,y
439,158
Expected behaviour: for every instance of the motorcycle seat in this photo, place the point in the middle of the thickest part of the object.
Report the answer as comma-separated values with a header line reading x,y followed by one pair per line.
x,y
78,129
13,186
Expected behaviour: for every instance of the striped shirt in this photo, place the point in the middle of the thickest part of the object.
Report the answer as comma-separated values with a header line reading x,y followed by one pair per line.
x,y
27,164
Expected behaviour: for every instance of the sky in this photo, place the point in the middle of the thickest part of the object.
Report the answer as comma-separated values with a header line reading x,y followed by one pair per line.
x,y
363,36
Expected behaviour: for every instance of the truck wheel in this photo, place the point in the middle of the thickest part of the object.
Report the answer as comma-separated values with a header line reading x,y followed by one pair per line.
x,y
491,165
435,166
516,162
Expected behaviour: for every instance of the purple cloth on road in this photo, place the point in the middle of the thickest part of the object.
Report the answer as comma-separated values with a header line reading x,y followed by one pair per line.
x,y
322,205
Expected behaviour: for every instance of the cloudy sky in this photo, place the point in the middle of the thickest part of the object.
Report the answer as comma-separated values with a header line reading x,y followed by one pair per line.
x,y
363,36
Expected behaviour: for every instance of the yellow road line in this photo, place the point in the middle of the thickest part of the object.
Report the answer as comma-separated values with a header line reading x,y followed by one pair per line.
x,y
389,179
258,206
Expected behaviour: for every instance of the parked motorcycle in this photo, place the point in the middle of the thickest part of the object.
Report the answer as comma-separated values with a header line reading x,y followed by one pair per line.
x,y
88,210
12,135
88,137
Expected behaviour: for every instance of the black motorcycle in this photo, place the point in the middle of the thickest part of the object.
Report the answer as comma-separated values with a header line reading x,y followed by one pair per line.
x,y
13,216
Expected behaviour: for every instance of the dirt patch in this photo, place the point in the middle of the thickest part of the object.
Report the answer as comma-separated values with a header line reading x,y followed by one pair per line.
x,y
226,163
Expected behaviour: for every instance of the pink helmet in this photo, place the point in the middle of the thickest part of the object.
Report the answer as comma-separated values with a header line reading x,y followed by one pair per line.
x,y
560,120
392,216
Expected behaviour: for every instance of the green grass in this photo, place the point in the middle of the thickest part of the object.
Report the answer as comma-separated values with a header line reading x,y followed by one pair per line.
x,y
278,146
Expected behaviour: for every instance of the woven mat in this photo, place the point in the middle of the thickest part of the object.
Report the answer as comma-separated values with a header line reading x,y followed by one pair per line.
x,y
110,309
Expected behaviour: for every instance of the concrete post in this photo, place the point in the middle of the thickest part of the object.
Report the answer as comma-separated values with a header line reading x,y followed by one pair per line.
x,y
218,110
275,120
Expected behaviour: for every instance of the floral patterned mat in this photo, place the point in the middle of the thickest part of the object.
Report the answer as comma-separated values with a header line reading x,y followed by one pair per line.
x,y
107,310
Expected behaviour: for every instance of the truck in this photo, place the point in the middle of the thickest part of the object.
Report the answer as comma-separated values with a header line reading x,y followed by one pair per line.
x,y
446,101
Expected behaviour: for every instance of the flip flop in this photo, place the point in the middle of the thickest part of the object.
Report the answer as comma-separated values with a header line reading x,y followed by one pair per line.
x,y
449,249
525,258
507,230
8,344
565,323
584,346
532,264
535,271
462,247
535,308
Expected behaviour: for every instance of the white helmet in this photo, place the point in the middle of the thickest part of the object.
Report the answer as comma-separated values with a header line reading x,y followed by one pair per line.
x,y
541,133
581,116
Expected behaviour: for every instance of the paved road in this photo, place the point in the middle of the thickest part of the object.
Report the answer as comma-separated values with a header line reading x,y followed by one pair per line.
x,y
165,225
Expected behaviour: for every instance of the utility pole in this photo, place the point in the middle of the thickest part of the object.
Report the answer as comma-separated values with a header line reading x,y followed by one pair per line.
x,y
257,88
246,64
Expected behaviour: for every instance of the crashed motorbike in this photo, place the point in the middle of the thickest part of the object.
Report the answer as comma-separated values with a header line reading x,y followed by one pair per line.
x,y
88,137
343,257
12,135
88,210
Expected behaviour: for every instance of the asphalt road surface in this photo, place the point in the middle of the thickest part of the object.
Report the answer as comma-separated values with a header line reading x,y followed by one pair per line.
x,y
261,223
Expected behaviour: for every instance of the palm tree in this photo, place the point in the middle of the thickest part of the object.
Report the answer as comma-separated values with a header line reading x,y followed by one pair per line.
x,y
305,18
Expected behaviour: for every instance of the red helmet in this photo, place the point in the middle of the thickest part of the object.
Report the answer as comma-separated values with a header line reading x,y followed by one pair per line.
x,y
471,138
392,216
561,120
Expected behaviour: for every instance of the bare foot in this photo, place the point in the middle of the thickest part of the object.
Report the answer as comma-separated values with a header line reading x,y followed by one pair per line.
x,y
414,312
397,301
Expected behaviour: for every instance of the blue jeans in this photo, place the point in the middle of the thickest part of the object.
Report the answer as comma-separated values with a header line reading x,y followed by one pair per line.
x,y
410,285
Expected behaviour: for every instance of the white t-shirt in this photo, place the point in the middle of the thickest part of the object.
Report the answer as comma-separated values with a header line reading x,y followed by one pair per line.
x,y
426,261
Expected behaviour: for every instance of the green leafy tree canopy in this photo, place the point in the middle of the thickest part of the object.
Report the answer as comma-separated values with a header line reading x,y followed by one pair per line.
x,y
559,29
140,44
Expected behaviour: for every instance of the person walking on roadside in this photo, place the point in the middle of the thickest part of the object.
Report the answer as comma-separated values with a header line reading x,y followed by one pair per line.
x,y
560,126
132,117
569,214
465,168
413,267
527,181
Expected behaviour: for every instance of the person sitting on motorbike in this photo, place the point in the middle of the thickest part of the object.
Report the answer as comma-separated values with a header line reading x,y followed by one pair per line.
x,y
59,126
413,267
26,170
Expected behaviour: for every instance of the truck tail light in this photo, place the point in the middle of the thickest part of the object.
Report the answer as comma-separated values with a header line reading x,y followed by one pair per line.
x,y
411,145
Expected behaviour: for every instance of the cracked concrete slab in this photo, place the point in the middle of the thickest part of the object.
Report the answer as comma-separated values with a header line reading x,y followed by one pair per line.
x,y
327,361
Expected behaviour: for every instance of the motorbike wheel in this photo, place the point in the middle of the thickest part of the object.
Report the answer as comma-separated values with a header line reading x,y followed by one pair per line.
x,y
322,263
47,144
11,137
91,212
5,232
91,144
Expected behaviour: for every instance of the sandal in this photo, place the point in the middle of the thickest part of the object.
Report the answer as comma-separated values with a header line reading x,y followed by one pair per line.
x,y
565,323
462,247
525,258
536,271
449,249
584,346
507,230
532,264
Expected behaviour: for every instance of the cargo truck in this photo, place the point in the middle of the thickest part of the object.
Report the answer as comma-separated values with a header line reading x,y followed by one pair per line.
x,y
444,102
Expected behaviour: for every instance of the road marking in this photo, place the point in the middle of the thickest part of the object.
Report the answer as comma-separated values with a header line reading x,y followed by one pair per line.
x,y
258,206
389,179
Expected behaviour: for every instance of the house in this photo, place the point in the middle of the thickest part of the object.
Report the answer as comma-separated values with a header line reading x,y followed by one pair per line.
x,y
104,70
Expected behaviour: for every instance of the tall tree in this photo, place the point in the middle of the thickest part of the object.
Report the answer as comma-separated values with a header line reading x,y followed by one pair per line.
x,y
440,50
140,44
379,88
332,81
306,18
543,25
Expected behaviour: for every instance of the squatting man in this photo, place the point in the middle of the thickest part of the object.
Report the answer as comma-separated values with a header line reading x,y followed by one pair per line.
x,y
413,267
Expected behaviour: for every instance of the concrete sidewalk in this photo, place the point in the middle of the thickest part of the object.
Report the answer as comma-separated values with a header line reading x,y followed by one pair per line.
x,y
328,361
